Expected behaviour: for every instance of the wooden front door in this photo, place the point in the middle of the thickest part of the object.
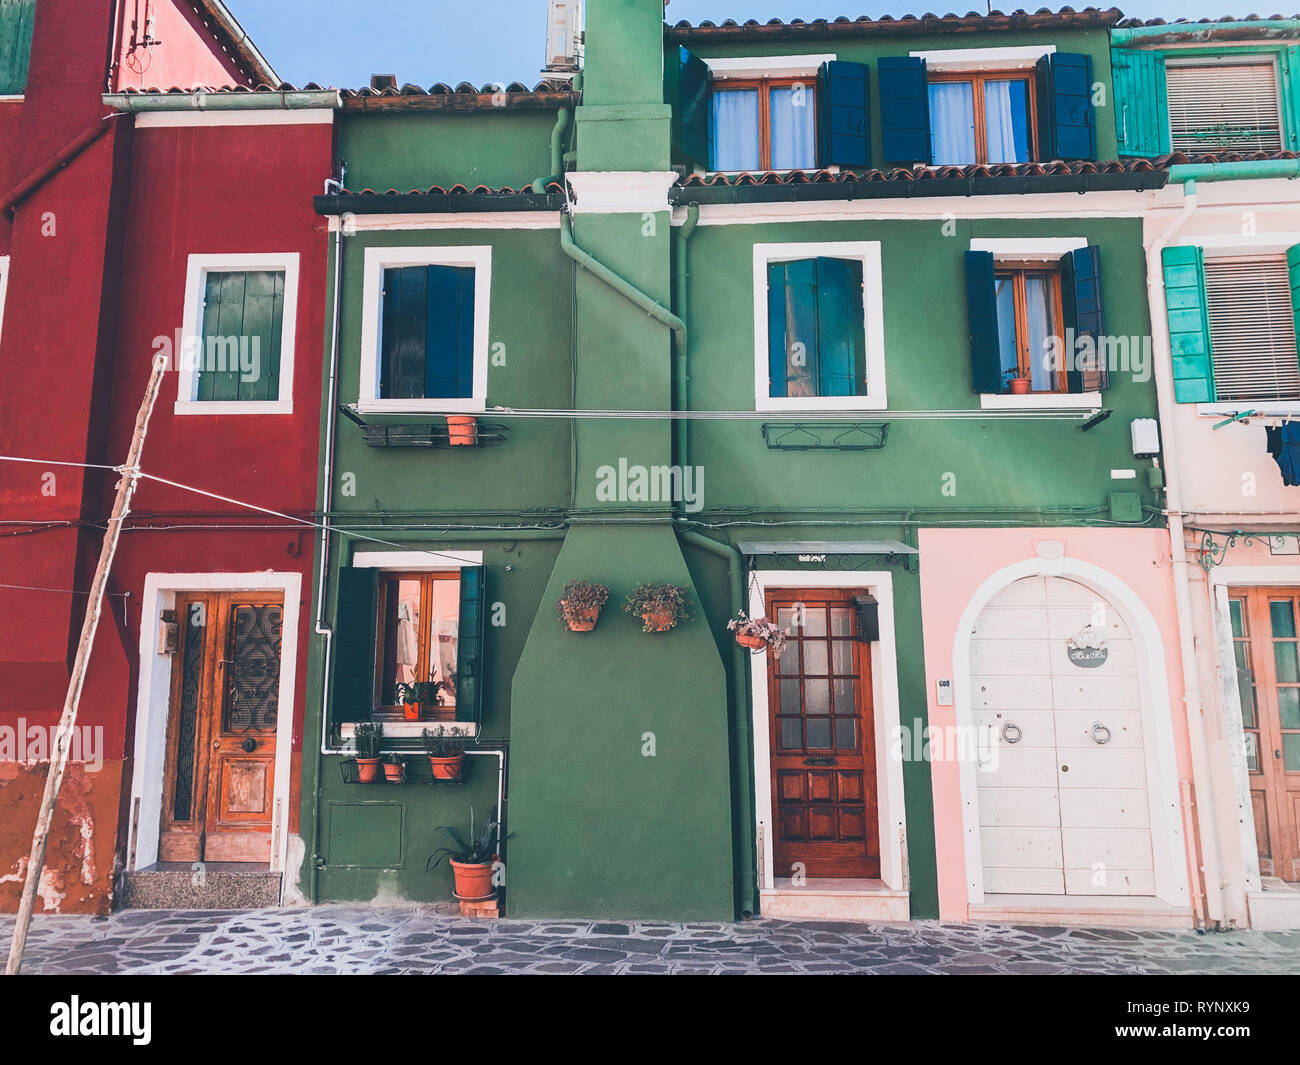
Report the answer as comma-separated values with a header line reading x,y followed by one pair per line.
x,y
823,744
219,793
1264,631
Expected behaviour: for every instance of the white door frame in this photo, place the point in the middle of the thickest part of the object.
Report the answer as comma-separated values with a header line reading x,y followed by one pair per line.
x,y
154,698
884,700
1168,849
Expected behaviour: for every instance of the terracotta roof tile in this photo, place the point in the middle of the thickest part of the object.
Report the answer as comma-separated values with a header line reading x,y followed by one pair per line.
x,y
1065,17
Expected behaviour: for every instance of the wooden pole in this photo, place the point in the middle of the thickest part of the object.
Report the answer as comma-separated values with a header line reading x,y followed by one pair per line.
x,y
62,739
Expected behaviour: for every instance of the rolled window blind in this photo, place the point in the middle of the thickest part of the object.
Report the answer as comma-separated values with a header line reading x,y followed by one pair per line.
x,y
1252,328
1232,106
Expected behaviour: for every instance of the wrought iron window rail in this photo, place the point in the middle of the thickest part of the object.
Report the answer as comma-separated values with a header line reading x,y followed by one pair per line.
x,y
425,433
825,436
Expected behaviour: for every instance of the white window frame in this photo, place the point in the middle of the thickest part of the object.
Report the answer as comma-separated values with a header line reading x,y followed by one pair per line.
x,y
959,60
1046,250
873,309
196,279
377,260
4,287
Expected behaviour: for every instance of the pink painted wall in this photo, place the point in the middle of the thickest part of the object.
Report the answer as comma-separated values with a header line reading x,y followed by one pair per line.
x,y
186,56
954,563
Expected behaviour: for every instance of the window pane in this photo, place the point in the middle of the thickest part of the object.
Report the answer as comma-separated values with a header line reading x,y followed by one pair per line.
x,y
819,733
814,621
789,697
735,130
444,637
1290,751
1246,692
1038,299
402,608
846,733
794,129
841,621
1006,117
1252,752
844,696
952,123
788,663
843,657
790,734
1282,616
815,658
817,696
1288,669
1005,291
1238,624
1288,707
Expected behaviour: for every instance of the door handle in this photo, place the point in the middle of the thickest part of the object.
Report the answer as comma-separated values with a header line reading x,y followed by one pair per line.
x,y
249,745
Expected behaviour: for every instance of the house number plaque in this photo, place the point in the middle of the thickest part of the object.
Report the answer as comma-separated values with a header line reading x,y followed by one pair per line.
x,y
1087,649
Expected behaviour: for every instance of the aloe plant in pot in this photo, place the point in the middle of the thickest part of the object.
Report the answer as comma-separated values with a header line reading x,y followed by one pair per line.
x,y
369,742
580,605
661,606
471,857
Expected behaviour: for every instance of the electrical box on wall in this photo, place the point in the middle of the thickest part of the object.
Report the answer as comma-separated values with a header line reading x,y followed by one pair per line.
x,y
1146,438
564,36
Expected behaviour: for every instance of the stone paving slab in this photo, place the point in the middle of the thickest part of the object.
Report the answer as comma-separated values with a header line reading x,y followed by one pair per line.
x,y
411,939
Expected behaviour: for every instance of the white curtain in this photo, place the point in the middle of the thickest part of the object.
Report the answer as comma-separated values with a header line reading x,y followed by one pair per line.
x,y
952,123
1041,376
735,129
794,129
1005,121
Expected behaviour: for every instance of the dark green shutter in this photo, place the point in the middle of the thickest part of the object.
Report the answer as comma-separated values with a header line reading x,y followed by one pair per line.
x,y
1289,63
1189,325
1081,304
904,110
843,119
1066,123
1141,101
449,333
694,108
841,336
1293,273
982,312
791,320
355,623
17,18
471,633
243,312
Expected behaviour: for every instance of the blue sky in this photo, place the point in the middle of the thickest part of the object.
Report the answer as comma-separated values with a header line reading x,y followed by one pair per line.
x,y
343,42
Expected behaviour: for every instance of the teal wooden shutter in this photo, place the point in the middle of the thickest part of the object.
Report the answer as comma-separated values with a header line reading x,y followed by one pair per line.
x,y
449,333
792,328
1289,64
841,332
1293,274
471,633
17,17
694,107
355,623
982,312
243,316
1141,101
843,118
1189,325
1081,304
904,110
1066,123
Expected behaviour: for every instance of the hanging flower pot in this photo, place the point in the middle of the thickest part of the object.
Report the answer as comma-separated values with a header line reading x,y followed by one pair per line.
x,y
462,429
394,769
446,751
368,769
660,606
369,742
579,607
754,643
758,634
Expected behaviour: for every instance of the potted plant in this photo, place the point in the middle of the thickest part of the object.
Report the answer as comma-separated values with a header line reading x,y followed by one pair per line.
x,y
1018,383
462,429
472,857
446,751
661,606
580,604
416,694
758,634
369,742
394,769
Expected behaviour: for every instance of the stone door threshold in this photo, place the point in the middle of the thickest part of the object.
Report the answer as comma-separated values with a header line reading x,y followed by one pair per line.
x,y
1276,908
1087,911
828,899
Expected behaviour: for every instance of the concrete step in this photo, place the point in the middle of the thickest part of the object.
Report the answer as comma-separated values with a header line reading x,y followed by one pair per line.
x,y
181,887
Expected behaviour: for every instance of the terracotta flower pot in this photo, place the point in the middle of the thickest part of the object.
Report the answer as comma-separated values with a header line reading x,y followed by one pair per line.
x,y
754,643
411,711
393,773
462,429
447,768
368,769
580,618
1020,386
658,620
473,882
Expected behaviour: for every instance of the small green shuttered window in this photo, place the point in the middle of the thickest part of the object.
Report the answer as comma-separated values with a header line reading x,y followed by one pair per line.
x,y
427,346
16,20
816,329
243,326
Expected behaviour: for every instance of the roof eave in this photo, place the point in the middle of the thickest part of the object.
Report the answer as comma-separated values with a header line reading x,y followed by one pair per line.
x,y
240,43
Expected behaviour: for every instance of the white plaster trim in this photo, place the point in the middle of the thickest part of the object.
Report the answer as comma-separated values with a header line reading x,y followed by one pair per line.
x,y
1041,401
15,99
769,66
621,191
379,259
196,273
4,287
873,309
885,712
1049,249
1167,845
154,697
398,223
411,730
315,116
433,561
953,60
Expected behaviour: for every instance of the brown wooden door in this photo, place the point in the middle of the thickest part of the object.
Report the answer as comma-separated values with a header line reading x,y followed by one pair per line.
x,y
1265,627
219,798
823,744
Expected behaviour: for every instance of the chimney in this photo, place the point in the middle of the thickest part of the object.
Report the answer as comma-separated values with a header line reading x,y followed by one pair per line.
x,y
564,22
380,82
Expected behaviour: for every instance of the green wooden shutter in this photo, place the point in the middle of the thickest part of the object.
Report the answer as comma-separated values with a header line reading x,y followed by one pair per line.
x,y
982,312
1081,304
1141,101
841,333
243,316
471,633
694,108
405,332
1293,272
904,110
1066,124
1189,325
355,623
792,328
843,118
1289,64
449,333
17,18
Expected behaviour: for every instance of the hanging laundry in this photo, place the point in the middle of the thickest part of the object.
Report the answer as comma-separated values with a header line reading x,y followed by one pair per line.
x,y
1284,446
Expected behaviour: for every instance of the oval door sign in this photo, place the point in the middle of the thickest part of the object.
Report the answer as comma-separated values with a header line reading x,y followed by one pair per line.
x,y
1087,649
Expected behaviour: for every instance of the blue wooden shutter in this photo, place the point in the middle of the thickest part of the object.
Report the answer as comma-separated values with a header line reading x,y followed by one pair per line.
x,y
1189,325
471,632
402,347
841,333
982,311
1293,272
694,106
843,119
791,321
1066,123
17,18
1081,304
449,333
904,110
1141,101
355,621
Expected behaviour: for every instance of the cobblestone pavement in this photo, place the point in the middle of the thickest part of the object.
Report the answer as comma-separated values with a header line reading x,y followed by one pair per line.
x,y
410,939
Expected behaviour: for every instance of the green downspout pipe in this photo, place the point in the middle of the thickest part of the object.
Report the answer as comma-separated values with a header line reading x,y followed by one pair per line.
x,y
1243,171
744,856
562,123
681,427
621,285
